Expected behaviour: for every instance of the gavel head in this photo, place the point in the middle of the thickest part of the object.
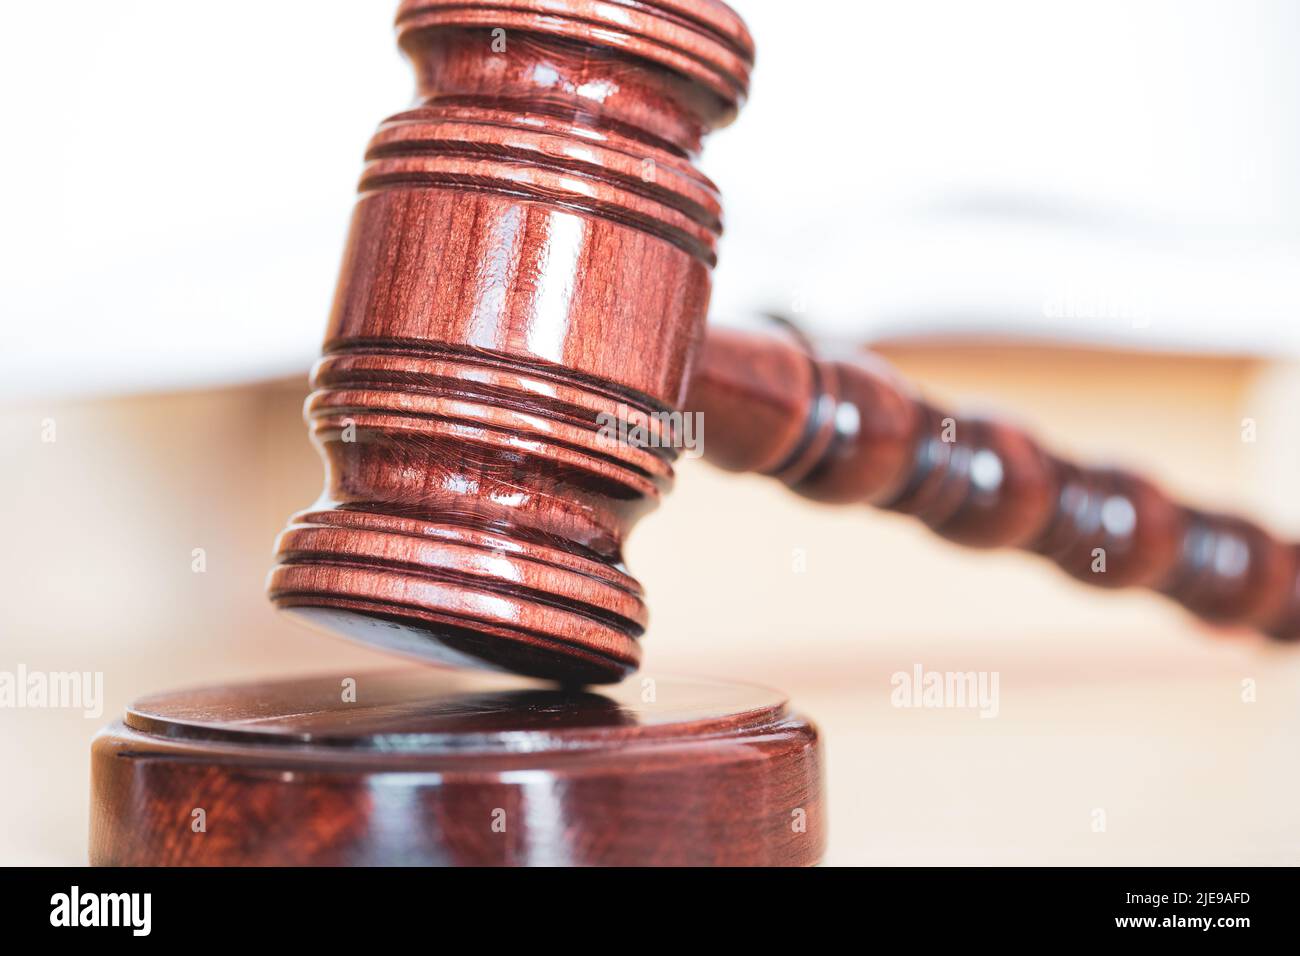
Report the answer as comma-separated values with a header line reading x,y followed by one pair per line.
x,y
525,282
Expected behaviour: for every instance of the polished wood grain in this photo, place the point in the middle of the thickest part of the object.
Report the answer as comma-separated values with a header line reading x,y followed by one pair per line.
x,y
844,428
433,768
529,258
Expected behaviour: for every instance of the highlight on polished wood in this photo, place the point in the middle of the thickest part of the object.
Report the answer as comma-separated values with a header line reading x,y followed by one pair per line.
x,y
530,255
846,429
428,767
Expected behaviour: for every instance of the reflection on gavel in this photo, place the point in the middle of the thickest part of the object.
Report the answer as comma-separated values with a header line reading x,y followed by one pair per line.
x,y
529,261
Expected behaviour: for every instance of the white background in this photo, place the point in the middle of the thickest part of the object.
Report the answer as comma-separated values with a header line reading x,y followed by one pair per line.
x,y
178,176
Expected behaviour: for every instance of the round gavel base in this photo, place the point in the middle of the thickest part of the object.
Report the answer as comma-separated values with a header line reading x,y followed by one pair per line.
x,y
427,767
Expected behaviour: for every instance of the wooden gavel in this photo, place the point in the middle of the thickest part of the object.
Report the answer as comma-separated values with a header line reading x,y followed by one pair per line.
x,y
529,262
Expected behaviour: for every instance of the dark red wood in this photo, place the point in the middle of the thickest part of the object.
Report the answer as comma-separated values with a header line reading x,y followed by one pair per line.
x,y
846,429
429,767
531,251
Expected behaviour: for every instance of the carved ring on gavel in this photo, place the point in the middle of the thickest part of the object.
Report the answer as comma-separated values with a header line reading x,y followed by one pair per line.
x,y
529,260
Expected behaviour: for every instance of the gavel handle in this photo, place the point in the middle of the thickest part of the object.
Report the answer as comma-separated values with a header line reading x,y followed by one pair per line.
x,y
849,430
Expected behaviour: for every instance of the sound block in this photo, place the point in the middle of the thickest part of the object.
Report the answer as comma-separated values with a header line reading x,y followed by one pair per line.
x,y
428,767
